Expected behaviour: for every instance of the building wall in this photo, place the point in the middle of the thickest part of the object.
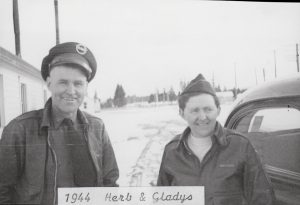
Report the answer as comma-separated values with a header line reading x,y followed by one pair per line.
x,y
14,72
12,93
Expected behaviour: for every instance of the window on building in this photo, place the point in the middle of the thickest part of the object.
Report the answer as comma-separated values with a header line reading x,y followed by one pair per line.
x,y
23,97
1,102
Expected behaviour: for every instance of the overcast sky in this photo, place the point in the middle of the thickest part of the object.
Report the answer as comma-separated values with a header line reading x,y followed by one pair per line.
x,y
149,45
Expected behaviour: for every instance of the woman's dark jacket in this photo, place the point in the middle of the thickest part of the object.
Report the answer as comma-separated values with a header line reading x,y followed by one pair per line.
x,y
231,171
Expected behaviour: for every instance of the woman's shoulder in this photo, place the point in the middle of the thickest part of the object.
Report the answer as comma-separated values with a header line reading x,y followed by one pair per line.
x,y
173,143
234,135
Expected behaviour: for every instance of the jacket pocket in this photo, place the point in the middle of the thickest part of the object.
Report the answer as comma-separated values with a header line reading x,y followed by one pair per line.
x,y
228,199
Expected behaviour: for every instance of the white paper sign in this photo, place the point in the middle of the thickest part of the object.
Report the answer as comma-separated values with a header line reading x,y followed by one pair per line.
x,y
171,195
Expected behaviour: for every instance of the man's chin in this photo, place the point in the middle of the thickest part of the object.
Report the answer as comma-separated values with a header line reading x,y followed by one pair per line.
x,y
69,109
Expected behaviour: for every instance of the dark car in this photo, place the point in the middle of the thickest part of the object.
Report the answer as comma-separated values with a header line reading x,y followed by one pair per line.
x,y
269,115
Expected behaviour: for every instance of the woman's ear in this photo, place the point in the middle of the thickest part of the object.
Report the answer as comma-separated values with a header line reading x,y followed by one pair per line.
x,y
219,110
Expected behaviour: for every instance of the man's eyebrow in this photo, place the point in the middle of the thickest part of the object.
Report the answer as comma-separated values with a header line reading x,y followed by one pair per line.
x,y
62,79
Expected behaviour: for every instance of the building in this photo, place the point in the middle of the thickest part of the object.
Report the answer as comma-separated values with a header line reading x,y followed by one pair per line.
x,y
90,105
21,87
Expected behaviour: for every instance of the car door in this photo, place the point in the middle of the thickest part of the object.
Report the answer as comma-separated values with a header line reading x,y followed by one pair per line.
x,y
273,127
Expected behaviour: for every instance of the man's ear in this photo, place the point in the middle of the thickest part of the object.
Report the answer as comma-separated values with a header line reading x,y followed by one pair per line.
x,y
181,112
48,82
86,90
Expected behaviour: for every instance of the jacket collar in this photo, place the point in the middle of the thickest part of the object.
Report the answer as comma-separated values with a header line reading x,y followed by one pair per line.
x,y
219,136
47,116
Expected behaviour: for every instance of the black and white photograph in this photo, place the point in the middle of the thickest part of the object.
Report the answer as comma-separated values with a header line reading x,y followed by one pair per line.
x,y
149,102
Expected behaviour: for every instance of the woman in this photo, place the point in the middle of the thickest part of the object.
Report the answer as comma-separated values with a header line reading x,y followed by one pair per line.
x,y
206,154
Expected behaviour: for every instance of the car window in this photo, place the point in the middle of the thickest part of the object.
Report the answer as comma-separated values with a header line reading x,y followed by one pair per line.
x,y
275,119
271,130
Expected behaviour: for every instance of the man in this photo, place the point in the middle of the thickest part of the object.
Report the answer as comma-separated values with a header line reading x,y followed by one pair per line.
x,y
58,146
206,154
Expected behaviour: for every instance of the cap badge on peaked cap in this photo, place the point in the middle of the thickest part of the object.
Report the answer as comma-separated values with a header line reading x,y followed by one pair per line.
x,y
81,49
70,53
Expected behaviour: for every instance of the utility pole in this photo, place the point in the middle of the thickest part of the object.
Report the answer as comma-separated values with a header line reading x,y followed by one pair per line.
x,y
235,84
16,27
255,76
297,57
264,74
275,64
56,21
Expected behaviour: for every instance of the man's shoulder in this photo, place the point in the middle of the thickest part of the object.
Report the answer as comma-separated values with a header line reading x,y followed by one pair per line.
x,y
24,121
31,115
92,119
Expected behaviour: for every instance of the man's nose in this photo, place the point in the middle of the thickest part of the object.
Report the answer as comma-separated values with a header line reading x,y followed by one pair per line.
x,y
71,88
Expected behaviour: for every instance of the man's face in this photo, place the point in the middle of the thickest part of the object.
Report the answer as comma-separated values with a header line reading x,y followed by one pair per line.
x,y
68,87
200,113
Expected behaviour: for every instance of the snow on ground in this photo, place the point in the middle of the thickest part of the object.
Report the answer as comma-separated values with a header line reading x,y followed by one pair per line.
x,y
138,136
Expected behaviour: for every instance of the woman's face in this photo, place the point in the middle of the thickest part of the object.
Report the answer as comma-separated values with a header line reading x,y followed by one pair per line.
x,y
201,114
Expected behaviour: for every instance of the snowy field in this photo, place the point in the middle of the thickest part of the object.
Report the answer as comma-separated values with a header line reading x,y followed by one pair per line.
x,y
139,134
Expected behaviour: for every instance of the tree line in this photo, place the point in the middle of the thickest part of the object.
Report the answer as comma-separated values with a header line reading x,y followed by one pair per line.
x,y
120,99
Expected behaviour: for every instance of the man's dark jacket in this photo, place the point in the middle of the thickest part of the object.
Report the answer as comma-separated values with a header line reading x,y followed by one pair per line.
x,y
23,148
